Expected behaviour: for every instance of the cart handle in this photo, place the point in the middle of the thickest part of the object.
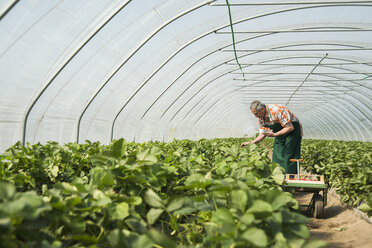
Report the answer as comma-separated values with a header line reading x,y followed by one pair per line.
x,y
296,159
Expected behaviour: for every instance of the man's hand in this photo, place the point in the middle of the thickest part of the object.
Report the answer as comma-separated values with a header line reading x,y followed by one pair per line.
x,y
270,134
246,143
285,130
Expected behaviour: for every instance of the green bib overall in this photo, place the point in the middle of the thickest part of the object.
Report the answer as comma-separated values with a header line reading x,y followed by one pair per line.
x,y
286,147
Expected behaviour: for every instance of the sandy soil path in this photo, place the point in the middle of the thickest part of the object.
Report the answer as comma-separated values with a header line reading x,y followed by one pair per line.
x,y
341,227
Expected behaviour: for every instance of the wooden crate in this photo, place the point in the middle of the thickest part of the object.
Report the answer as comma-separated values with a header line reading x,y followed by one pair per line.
x,y
305,177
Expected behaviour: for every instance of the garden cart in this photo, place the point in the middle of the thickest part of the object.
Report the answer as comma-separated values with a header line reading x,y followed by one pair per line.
x,y
309,183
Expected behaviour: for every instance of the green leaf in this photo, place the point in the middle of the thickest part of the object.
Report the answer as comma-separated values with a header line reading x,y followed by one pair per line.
x,y
365,208
107,179
282,200
197,180
175,204
55,244
160,239
116,238
134,200
260,209
119,211
184,211
293,217
143,241
239,199
106,158
247,218
7,190
153,214
278,175
153,199
73,201
279,237
54,171
256,236
31,199
29,205
294,241
101,177
119,148
223,216
144,156
77,225
137,225
5,222
101,198
124,238
66,187
300,230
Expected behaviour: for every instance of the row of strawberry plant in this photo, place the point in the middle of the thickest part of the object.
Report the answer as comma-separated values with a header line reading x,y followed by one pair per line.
x,y
207,193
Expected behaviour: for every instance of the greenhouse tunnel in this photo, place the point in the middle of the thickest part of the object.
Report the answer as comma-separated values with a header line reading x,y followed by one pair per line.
x,y
76,70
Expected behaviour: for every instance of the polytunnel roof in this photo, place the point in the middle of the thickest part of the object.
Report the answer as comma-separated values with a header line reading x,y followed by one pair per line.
x,y
73,70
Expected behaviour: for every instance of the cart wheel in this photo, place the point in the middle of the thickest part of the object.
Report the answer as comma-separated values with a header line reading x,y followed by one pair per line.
x,y
318,206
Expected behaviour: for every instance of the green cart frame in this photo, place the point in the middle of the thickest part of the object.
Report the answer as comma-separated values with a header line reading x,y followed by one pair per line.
x,y
318,201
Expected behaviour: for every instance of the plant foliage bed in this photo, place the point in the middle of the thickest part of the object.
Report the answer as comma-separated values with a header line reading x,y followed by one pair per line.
x,y
207,193
347,167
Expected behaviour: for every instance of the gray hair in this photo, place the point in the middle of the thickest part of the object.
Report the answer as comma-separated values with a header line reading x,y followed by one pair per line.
x,y
257,105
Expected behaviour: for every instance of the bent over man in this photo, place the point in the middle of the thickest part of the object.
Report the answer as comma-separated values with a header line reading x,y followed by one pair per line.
x,y
275,120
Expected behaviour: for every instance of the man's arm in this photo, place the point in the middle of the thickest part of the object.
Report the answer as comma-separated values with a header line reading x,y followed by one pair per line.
x,y
287,129
258,139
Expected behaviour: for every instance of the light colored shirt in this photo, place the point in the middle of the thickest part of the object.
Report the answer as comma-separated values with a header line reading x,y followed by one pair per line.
x,y
276,113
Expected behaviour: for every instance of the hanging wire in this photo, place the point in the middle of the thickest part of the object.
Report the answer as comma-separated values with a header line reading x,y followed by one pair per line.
x,y
233,39
294,92
366,77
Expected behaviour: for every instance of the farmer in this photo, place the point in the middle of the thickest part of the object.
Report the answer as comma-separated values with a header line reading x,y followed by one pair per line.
x,y
275,120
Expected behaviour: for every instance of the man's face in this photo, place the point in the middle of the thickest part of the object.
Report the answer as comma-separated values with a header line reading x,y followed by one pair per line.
x,y
258,113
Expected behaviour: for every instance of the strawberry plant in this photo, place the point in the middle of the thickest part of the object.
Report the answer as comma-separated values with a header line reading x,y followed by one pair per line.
x,y
207,193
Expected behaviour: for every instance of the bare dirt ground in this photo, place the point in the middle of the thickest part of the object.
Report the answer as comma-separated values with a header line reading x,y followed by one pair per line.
x,y
341,227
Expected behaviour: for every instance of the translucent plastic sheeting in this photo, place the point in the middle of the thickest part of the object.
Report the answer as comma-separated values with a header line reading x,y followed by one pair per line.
x,y
162,70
